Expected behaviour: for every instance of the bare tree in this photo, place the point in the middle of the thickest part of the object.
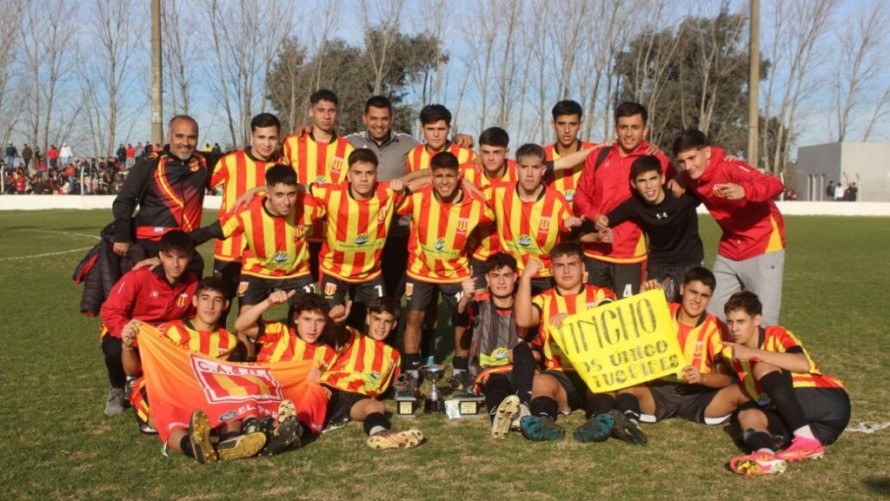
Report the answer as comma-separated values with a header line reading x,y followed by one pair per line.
x,y
9,41
861,62
385,15
180,49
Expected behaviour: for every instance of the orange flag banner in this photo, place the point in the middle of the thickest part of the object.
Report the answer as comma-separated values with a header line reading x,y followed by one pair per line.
x,y
179,381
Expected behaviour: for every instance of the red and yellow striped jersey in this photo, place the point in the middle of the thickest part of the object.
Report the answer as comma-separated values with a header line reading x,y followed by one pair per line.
x,y
419,158
779,340
355,230
275,246
236,172
218,343
317,163
278,342
701,344
564,181
438,243
528,229
551,303
484,241
364,365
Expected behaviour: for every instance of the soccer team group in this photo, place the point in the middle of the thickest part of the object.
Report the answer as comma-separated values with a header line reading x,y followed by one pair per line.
x,y
341,228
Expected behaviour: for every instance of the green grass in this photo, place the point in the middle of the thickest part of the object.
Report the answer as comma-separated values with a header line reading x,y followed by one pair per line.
x,y
56,443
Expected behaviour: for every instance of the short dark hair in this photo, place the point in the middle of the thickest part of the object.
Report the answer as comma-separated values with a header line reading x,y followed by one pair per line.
x,y
378,102
692,139
384,304
570,248
500,260
432,113
629,109
307,302
264,120
213,284
644,164
362,155
177,241
175,118
567,107
494,136
323,95
700,274
531,150
281,174
745,301
444,160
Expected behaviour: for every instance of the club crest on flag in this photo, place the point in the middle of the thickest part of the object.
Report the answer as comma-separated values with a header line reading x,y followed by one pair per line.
x,y
224,382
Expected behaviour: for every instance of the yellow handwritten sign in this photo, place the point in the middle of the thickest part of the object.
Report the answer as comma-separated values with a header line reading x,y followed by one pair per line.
x,y
622,344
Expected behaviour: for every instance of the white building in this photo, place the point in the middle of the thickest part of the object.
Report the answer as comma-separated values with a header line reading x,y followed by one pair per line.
x,y
866,164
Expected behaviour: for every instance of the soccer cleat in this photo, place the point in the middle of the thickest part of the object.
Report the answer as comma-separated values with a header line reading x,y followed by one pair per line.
x,y
541,429
596,429
241,446
627,429
756,464
523,411
264,424
802,448
114,405
503,416
146,429
286,434
199,438
389,439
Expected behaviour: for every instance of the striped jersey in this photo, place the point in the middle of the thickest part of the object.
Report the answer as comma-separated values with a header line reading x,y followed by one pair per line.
x,y
564,181
364,365
551,303
438,243
355,230
217,343
484,241
420,157
277,342
701,343
275,246
317,163
528,229
236,172
780,340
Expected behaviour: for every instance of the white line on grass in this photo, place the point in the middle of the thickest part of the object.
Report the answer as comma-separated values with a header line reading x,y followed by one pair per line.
x,y
32,256
59,232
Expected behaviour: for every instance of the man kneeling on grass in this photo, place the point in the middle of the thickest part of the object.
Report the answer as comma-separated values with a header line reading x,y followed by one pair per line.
x,y
789,395
364,369
200,334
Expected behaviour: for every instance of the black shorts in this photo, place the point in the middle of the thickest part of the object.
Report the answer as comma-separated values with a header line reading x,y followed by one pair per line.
x,y
335,290
684,400
575,387
624,279
827,411
420,293
340,404
253,290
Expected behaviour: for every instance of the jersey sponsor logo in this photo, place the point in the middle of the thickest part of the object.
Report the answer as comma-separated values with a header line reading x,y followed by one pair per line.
x,y
320,180
525,240
440,244
661,215
280,257
569,196
330,288
224,382
361,239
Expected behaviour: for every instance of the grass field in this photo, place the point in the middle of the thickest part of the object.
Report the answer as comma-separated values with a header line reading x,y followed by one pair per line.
x,y
56,443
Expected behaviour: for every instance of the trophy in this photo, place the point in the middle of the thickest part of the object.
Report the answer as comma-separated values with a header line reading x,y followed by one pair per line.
x,y
406,392
433,373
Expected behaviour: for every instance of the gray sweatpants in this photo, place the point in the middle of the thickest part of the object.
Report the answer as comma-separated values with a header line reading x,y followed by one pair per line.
x,y
761,275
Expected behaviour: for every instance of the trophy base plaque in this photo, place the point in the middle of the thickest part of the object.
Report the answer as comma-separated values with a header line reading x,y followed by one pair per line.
x,y
465,406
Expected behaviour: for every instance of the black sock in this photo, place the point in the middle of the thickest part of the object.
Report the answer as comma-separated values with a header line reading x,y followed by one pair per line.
x,y
460,363
599,404
544,407
497,388
757,440
777,385
186,446
629,405
411,361
374,420
523,371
